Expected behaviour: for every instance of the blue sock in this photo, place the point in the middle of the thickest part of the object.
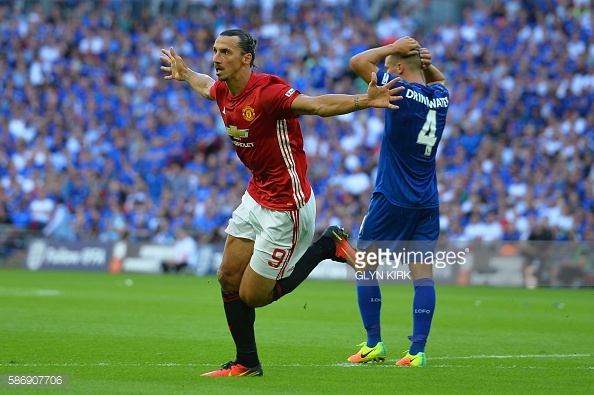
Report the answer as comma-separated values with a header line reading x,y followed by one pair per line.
x,y
423,307
370,304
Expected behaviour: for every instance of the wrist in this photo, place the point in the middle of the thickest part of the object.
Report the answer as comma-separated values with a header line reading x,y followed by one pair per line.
x,y
396,48
186,74
361,102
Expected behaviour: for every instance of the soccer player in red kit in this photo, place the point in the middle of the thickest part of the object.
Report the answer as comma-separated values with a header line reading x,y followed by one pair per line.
x,y
269,250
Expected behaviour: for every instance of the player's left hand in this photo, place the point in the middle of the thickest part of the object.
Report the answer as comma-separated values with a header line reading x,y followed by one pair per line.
x,y
425,57
383,96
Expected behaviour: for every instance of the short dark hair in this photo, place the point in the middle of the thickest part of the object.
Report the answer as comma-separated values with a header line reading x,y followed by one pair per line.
x,y
412,61
247,43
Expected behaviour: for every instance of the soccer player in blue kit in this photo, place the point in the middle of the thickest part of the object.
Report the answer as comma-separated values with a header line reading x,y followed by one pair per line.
x,y
404,207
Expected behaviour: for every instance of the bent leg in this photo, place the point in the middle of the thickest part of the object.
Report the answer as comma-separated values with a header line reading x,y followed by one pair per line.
x,y
236,257
256,290
283,251
322,249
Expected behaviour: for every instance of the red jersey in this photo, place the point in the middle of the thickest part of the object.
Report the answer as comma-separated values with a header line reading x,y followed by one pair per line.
x,y
268,140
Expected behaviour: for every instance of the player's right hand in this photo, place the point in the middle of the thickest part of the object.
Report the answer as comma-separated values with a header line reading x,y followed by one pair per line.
x,y
406,46
384,96
177,66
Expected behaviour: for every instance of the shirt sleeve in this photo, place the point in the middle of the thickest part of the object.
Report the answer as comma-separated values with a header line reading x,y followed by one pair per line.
x,y
277,100
213,90
383,78
441,88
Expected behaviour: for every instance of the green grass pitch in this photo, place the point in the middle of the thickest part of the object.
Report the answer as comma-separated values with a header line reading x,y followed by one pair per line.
x,y
153,334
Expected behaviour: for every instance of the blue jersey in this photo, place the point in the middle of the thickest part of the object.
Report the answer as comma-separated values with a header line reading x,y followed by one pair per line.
x,y
406,170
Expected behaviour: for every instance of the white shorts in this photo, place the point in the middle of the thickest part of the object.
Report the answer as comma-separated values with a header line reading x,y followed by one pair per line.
x,y
280,237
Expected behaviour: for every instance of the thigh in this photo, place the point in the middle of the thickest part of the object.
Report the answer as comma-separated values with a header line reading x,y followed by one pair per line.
x,y
423,243
426,231
426,225
236,257
282,239
239,246
385,225
411,233
255,289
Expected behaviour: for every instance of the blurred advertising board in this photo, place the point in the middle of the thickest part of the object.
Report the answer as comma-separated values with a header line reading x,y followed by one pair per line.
x,y
45,254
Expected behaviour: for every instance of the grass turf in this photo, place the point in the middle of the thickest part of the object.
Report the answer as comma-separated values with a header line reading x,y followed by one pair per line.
x,y
152,334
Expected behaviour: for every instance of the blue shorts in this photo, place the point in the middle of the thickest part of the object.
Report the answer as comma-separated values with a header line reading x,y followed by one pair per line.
x,y
388,226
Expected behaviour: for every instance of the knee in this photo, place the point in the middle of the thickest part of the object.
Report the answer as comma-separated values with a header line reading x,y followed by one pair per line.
x,y
229,280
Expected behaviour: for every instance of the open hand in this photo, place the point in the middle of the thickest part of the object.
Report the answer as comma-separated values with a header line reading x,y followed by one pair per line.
x,y
176,67
383,96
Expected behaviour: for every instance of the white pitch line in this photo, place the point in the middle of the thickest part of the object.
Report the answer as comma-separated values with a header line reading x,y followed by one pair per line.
x,y
342,364
515,356
9,291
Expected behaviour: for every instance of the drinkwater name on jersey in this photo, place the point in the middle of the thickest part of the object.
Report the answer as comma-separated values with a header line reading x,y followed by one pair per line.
x,y
434,103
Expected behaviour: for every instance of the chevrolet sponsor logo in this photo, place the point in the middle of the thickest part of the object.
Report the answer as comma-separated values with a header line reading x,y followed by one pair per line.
x,y
237,133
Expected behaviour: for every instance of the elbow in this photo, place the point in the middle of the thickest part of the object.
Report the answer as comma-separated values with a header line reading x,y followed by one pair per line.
x,y
355,64
361,67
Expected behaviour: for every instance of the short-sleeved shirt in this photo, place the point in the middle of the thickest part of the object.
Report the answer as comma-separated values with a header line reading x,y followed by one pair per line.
x,y
268,140
406,171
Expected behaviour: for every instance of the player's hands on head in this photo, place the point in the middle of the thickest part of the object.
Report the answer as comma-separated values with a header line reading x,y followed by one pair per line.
x,y
176,65
425,57
383,96
406,46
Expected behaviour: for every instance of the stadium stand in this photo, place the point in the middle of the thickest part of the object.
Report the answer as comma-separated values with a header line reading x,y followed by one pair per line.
x,y
86,117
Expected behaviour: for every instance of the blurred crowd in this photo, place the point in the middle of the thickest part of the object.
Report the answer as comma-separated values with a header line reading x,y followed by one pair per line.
x,y
95,144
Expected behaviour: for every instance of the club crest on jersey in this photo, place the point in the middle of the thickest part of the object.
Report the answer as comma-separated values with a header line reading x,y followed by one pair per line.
x,y
248,113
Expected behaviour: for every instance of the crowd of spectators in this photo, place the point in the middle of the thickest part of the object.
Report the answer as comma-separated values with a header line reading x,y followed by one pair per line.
x,y
96,145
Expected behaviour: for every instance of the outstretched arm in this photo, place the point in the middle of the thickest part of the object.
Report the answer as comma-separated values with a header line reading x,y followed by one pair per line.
x,y
431,73
337,104
201,83
364,63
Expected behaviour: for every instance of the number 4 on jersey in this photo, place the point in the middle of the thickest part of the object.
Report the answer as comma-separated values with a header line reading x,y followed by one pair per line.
x,y
427,134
